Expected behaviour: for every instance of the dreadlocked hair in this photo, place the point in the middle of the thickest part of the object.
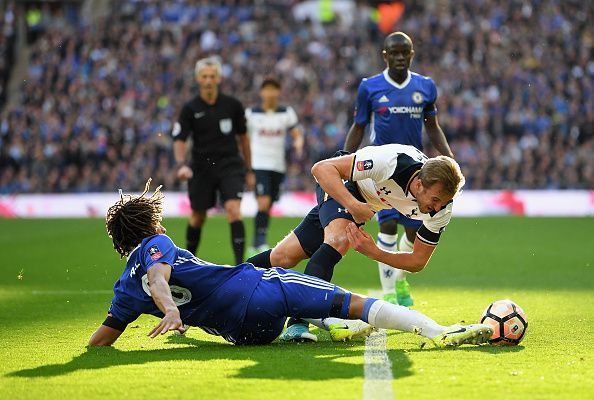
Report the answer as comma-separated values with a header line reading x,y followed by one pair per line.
x,y
133,218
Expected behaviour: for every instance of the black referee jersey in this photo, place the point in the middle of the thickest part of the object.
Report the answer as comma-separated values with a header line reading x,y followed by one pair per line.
x,y
212,127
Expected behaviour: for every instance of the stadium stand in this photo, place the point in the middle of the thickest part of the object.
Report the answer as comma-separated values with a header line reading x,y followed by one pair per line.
x,y
94,114
7,46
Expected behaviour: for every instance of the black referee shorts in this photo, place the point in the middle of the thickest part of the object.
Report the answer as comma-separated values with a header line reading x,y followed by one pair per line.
x,y
227,182
268,183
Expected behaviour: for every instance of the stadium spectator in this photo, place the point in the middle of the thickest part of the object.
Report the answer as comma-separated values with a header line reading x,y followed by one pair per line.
x,y
515,87
7,46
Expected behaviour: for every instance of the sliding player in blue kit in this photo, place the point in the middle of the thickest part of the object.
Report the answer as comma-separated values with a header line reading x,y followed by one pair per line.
x,y
243,304
396,104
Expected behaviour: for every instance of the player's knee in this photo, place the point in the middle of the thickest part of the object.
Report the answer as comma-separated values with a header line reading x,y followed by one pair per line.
x,y
411,233
339,243
264,203
389,227
197,219
233,213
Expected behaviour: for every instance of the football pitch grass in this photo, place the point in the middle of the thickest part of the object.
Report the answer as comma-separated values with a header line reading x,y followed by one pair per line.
x,y
56,278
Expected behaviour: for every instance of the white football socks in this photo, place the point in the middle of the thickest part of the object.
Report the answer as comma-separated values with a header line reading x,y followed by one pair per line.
x,y
388,275
385,315
404,246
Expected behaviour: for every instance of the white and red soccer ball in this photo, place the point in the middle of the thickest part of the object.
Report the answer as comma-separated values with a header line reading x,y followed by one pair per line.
x,y
508,321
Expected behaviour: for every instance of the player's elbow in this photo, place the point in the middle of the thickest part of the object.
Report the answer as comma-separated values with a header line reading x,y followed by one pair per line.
x,y
317,169
418,264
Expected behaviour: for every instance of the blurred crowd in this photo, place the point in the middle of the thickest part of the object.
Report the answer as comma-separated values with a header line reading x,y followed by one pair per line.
x,y
7,45
515,81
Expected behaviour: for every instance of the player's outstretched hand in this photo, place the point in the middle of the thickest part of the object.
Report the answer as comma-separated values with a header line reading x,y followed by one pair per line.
x,y
170,322
361,241
184,173
361,212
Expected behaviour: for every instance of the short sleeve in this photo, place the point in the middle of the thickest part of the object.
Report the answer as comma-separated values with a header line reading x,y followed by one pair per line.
x,y
292,119
239,119
362,108
183,127
430,108
122,312
431,230
374,162
159,249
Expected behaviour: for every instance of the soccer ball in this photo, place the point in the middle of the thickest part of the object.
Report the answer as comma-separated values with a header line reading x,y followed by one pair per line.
x,y
508,321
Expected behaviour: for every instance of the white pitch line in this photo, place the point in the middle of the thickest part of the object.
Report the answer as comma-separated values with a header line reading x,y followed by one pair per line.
x,y
378,367
68,292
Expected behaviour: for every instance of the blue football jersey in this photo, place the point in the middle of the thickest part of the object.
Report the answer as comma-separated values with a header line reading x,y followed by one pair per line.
x,y
212,297
395,112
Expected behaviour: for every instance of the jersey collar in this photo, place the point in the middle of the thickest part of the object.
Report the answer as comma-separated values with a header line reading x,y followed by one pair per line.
x,y
133,250
407,191
394,83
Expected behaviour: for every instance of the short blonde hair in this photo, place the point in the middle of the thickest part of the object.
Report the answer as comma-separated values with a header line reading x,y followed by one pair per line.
x,y
208,62
444,170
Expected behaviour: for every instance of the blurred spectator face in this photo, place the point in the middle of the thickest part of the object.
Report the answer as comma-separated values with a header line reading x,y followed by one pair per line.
x,y
269,95
398,54
208,78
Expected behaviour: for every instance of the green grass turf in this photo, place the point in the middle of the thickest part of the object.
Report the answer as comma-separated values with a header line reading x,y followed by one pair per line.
x,y
67,268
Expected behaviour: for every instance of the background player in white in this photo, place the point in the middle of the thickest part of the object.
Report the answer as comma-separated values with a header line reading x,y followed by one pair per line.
x,y
350,189
396,104
268,125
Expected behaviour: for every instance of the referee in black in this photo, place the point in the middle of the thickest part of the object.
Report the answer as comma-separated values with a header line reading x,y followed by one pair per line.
x,y
221,158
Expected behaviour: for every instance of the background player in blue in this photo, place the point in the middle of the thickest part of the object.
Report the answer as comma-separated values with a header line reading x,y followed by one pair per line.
x,y
243,304
396,104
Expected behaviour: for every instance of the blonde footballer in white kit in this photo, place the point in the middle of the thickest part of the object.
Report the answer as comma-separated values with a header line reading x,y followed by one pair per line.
x,y
351,188
268,125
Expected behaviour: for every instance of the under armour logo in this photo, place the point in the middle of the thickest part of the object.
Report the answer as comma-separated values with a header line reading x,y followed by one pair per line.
x,y
385,190
388,273
412,213
344,210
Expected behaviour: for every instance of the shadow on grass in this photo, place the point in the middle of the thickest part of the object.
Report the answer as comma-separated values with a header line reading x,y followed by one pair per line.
x,y
286,361
482,349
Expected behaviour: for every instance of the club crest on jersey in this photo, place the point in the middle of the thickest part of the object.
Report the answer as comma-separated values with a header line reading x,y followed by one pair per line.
x,y
155,253
226,125
417,97
364,165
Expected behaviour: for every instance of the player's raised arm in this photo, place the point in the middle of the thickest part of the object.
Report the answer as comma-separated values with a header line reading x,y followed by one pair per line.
x,y
158,275
330,174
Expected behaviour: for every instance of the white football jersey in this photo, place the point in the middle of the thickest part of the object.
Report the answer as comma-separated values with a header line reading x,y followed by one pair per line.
x,y
268,132
383,175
